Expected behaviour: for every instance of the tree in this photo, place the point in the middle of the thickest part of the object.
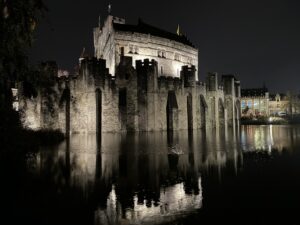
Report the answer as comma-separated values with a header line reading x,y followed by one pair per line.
x,y
18,20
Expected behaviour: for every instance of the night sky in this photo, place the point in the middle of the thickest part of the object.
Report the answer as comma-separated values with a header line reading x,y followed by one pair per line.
x,y
257,40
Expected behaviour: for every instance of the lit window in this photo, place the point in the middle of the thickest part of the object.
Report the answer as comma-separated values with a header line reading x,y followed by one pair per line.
x,y
243,104
256,104
261,101
250,104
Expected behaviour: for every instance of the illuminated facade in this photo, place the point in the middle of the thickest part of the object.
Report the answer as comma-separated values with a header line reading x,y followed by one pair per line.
x,y
141,79
143,41
258,102
279,105
255,102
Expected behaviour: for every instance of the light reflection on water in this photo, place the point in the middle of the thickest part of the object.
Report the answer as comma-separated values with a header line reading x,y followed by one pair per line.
x,y
279,137
138,178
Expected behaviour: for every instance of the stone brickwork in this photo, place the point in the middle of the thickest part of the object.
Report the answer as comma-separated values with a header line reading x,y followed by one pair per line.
x,y
232,96
116,38
134,100
42,104
142,79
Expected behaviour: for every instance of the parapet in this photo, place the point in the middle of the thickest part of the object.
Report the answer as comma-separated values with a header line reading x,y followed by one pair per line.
x,y
146,64
146,71
188,73
231,85
212,81
169,83
93,72
93,67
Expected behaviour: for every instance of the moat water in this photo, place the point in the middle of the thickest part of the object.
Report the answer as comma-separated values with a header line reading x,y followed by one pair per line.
x,y
248,175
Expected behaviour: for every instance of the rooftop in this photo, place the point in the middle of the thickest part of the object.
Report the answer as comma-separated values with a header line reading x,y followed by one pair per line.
x,y
144,28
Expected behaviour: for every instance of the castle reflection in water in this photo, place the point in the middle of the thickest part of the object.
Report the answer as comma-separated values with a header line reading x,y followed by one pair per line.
x,y
149,178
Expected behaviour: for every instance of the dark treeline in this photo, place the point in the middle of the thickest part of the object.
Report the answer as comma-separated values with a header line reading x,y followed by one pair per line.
x,y
18,22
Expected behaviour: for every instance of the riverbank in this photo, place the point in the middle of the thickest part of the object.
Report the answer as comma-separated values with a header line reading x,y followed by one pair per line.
x,y
271,120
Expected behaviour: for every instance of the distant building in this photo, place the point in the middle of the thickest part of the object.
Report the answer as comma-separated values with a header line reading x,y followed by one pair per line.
x,y
255,102
258,102
279,105
294,104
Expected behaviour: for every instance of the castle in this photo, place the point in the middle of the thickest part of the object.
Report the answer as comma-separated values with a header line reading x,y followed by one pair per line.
x,y
141,78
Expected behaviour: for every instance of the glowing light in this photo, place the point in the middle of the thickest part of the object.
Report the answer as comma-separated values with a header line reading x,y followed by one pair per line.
x,y
63,73
173,201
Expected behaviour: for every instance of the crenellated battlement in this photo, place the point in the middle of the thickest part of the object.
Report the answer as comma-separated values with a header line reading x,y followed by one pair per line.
x,y
169,83
188,73
135,99
93,74
141,79
92,66
146,65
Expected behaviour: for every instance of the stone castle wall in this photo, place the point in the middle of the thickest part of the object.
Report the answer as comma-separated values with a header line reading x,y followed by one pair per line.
x,y
136,82
170,55
152,47
135,99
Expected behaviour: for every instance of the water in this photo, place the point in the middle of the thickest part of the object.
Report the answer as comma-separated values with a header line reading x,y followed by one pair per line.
x,y
248,175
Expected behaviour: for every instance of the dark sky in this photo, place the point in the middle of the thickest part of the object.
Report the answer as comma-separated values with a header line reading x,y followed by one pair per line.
x,y
257,40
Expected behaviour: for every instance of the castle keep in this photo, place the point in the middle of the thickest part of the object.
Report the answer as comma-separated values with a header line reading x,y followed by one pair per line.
x,y
141,79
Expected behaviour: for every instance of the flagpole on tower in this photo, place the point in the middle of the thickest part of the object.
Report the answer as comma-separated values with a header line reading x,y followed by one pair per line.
x,y
109,9
178,30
